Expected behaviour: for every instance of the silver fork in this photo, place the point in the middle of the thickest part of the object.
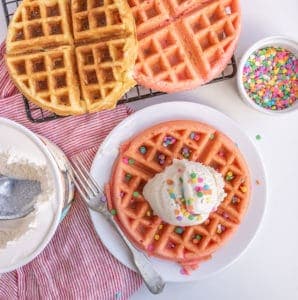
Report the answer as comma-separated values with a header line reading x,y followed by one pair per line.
x,y
95,198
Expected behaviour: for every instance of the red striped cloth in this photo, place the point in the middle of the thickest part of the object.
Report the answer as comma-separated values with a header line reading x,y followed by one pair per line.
x,y
75,264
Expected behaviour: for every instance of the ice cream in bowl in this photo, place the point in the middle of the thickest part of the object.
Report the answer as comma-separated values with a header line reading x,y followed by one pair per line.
x,y
185,193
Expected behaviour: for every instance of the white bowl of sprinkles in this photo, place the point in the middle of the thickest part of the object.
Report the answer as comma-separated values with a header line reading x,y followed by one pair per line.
x,y
268,75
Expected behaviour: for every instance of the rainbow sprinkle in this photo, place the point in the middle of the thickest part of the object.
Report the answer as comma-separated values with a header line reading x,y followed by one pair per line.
x,y
161,158
194,136
179,230
136,194
150,247
183,271
143,150
168,140
258,137
186,208
270,78
113,212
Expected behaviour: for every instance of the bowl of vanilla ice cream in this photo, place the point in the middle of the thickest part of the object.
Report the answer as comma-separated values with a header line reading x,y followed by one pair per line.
x,y
24,155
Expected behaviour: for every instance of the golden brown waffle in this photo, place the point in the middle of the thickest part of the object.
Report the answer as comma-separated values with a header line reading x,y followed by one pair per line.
x,y
100,18
183,44
104,72
147,154
97,63
38,24
48,79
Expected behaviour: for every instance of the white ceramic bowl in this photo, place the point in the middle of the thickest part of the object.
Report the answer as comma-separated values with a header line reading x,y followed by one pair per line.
x,y
13,135
274,41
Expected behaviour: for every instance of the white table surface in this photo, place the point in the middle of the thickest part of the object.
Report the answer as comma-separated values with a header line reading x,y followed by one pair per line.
x,y
269,268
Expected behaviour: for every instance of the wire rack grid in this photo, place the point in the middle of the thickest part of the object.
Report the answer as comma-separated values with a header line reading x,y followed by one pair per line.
x,y
38,115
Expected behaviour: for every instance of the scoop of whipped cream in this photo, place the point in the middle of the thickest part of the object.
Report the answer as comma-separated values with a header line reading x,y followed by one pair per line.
x,y
185,193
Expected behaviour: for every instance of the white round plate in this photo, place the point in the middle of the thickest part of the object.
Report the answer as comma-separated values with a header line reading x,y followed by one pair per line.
x,y
23,141
108,151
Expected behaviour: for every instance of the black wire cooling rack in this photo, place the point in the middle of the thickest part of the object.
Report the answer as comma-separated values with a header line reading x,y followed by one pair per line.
x,y
38,115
